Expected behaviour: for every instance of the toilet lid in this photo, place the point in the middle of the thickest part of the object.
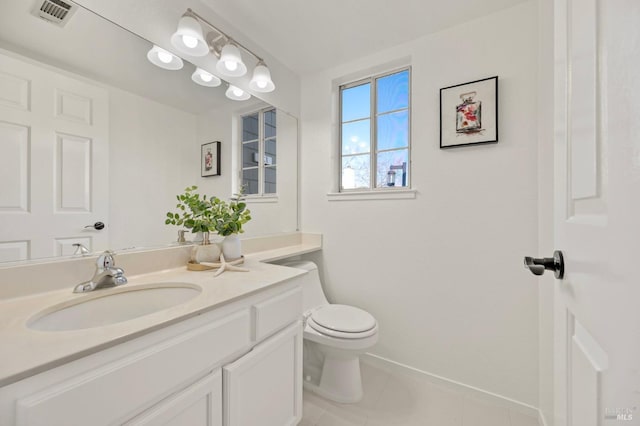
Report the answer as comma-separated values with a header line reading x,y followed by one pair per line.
x,y
344,318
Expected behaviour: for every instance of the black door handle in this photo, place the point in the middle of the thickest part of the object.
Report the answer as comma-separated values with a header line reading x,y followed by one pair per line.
x,y
97,226
538,265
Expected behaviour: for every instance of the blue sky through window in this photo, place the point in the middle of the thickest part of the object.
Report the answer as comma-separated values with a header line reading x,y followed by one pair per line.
x,y
356,102
393,92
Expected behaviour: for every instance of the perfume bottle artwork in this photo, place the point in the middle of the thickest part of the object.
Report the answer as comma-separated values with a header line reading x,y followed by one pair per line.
x,y
469,114
208,160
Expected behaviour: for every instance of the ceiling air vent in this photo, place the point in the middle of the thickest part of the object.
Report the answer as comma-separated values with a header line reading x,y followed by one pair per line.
x,y
57,12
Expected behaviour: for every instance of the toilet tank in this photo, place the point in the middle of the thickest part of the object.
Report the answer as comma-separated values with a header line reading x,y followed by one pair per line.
x,y
312,292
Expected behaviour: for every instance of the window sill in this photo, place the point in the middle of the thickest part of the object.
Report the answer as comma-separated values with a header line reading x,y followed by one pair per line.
x,y
397,194
264,199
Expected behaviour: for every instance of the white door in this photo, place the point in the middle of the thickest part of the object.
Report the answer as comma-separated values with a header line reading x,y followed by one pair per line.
x,y
54,161
597,212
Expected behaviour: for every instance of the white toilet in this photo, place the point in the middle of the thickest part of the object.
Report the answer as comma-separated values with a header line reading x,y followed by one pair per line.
x,y
334,338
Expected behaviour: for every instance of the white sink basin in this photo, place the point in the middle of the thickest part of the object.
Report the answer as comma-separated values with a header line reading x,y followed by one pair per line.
x,y
110,306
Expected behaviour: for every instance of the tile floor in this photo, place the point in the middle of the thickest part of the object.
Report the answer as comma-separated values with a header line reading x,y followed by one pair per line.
x,y
399,399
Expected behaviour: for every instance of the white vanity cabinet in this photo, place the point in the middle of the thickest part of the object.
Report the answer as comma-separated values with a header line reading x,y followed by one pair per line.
x,y
237,364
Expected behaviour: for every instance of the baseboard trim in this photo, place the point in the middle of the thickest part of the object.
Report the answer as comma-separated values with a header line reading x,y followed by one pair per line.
x,y
390,365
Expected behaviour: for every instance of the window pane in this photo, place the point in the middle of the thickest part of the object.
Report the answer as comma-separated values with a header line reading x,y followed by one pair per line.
x,y
250,127
385,162
249,154
250,181
355,137
393,130
269,180
393,92
356,102
270,123
356,171
270,152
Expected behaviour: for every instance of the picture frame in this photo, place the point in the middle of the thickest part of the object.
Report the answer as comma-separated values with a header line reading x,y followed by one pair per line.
x,y
210,159
469,113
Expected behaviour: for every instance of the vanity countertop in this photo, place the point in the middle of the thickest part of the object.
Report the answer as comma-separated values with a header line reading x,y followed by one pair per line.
x,y
25,352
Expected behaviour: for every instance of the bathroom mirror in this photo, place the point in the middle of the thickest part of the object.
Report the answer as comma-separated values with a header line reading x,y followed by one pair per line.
x,y
92,134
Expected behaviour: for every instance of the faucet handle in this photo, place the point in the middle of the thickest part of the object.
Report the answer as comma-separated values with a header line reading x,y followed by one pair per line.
x,y
105,260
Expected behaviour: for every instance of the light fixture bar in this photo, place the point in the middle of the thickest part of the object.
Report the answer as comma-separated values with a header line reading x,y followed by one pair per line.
x,y
225,35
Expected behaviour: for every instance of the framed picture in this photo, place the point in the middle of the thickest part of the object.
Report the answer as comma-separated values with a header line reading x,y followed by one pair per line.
x,y
210,159
469,113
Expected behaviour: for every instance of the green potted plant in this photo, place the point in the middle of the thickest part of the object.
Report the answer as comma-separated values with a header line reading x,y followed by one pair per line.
x,y
228,223
199,213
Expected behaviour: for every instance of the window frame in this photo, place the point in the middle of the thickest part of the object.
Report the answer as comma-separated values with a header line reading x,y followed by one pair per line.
x,y
373,126
262,140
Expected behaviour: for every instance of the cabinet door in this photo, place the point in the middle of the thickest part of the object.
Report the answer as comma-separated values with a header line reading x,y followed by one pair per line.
x,y
198,405
264,387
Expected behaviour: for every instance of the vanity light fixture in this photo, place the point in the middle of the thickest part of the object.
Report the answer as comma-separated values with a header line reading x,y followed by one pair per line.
x,y
188,38
236,93
164,59
230,63
261,81
204,78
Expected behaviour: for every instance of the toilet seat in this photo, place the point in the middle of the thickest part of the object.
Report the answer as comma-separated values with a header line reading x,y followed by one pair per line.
x,y
342,321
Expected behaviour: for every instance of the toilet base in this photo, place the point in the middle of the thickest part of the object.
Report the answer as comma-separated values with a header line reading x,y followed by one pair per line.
x,y
340,380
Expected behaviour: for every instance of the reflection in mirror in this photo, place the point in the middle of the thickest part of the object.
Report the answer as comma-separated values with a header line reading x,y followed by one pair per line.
x,y
91,131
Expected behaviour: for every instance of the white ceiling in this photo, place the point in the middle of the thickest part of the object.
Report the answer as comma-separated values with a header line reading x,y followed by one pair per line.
x,y
308,36
304,36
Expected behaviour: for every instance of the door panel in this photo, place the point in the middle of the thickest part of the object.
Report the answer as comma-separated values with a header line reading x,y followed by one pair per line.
x,y
14,250
581,43
14,167
73,173
14,91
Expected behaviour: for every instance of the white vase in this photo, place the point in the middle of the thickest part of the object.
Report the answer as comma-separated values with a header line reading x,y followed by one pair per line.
x,y
198,237
231,247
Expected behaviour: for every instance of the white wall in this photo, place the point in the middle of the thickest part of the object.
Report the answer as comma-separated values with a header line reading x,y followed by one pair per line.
x,y
442,273
156,141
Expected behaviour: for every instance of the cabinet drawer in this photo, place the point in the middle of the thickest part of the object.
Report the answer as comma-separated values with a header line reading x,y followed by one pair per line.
x,y
120,389
276,313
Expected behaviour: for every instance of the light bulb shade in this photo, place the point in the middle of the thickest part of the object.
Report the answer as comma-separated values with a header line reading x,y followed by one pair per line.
x,y
236,94
230,63
188,38
261,81
204,78
164,59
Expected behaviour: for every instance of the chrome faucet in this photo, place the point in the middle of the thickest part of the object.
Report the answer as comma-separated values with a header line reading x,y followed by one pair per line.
x,y
106,275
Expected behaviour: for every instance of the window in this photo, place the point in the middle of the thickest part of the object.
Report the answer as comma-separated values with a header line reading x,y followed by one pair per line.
x,y
259,142
375,132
